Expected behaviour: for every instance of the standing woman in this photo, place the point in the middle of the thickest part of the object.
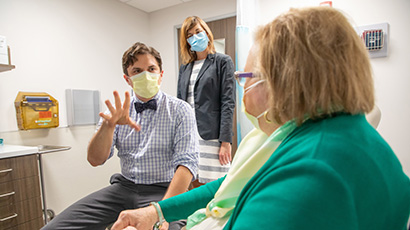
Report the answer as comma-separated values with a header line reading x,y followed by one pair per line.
x,y
206,81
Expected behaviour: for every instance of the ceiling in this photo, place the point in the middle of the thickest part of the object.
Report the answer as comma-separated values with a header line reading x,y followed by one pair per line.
x,y
153,5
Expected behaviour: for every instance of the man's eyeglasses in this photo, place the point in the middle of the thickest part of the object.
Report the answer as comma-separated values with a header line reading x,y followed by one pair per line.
x,y
242,76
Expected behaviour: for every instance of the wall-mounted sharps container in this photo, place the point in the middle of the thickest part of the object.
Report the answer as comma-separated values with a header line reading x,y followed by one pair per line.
x,y
36,110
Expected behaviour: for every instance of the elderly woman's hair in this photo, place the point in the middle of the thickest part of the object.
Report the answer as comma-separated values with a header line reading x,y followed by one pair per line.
x,y
190,22
315,65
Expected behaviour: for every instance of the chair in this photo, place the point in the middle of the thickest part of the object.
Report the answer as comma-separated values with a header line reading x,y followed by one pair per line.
x,y
374,116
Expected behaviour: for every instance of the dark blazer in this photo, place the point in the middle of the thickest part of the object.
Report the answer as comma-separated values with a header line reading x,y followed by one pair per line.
x,y
214,94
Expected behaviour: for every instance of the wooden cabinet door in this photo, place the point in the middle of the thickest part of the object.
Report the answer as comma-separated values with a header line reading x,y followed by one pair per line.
x,y
20,196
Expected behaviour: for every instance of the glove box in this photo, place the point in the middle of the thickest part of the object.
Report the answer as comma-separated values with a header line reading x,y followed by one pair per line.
x,y
36,111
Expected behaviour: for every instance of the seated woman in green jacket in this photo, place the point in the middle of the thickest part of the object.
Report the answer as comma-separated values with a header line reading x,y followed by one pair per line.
x,y
331,169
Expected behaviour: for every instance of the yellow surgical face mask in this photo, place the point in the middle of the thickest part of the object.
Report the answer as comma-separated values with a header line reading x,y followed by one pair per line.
x,y
145,84
252,119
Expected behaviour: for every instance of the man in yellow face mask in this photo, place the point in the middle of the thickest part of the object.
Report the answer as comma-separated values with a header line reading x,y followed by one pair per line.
x,y
210,206
155,135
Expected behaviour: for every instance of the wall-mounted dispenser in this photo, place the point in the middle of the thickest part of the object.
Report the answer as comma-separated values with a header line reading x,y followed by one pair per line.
x,y
36,110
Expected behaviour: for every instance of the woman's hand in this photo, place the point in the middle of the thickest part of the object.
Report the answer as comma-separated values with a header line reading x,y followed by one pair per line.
x,y
120,114
141,219
225,153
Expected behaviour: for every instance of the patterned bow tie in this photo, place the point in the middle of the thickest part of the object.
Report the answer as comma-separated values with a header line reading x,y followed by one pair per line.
x,y
151,104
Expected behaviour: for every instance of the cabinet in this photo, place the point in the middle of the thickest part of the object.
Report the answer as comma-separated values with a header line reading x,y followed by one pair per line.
x,y
20,196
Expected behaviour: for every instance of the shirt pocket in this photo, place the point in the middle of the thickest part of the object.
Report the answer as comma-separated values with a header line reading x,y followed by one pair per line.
x,y
127,140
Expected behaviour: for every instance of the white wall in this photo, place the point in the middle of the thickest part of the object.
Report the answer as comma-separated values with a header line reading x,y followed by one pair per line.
x,y
163,33
78,44
391,74
57,45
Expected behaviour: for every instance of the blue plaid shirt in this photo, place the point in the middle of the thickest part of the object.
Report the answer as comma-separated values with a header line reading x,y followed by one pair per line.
x,y
167,139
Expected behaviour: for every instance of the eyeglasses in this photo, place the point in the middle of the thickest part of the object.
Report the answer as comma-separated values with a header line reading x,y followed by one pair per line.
x,y
242,76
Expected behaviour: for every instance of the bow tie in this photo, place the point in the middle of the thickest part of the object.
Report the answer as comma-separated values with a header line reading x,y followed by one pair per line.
x,y
151,104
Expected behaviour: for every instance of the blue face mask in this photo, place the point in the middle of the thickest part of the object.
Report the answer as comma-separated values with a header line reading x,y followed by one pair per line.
x,y
198,42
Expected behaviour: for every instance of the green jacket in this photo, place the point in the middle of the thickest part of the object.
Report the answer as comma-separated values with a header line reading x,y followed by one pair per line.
x,y
336,173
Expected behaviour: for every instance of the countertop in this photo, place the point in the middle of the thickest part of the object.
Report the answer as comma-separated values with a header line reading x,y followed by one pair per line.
x,y
7,151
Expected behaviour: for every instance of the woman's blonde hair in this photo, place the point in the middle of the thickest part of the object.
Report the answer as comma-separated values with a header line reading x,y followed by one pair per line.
x,y
315,65
190,22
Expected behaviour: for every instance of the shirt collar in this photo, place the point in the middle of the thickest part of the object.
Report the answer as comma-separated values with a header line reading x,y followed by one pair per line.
x,y
157,97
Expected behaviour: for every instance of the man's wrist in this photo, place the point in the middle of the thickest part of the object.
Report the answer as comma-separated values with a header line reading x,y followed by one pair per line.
x,y
107,125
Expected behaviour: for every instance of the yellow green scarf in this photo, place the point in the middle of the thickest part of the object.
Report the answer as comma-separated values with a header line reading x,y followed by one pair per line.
x,y
254,150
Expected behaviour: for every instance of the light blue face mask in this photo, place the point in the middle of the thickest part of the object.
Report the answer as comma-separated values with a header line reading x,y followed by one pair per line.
x,y
198,42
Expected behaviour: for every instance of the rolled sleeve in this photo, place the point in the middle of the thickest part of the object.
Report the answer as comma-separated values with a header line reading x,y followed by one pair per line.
x,y
186,144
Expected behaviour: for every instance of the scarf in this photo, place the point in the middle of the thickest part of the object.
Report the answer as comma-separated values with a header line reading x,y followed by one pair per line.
x,y
252,153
